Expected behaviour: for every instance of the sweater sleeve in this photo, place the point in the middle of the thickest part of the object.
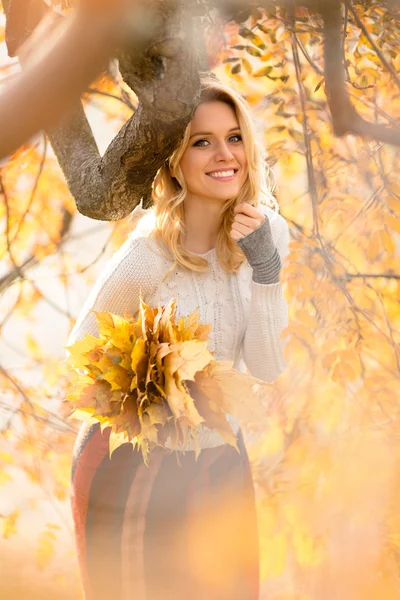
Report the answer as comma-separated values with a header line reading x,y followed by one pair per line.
x,y
127,275
262,347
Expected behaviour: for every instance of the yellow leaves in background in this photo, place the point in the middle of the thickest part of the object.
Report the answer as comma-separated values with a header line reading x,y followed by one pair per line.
x,y
343,365
61,466
9,525
113,96
33,347
392,199
4,477
274,551
274,442
34,223
380,242
309,551
46,547
326,462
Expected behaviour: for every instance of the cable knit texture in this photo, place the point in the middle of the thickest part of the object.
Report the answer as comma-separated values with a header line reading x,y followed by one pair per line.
x,y
247,317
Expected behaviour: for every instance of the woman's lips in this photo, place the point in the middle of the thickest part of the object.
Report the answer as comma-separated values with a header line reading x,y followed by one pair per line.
x,y
225,178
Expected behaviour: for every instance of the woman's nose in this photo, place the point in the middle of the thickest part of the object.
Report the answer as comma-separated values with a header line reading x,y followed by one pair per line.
x,y
224,152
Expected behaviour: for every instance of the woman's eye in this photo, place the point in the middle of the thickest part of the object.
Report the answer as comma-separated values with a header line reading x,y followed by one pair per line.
x,y
198,143
236,138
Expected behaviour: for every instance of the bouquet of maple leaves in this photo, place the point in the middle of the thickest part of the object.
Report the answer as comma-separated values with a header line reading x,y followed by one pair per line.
x,y
152,380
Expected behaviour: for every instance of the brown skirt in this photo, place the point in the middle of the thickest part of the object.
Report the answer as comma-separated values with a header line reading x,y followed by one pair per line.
x,y
177,529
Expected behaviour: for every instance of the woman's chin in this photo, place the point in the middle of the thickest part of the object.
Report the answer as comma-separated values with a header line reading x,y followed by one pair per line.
x,y
226,192
220,193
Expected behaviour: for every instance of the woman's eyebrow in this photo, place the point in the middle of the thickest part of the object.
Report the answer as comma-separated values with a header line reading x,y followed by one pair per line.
x,y
211,133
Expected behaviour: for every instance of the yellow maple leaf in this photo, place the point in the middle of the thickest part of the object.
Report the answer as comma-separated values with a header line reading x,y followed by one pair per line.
x,y
157,413
187,358
240,392
116,440
77,385
79,350
207,392
118,378
139,357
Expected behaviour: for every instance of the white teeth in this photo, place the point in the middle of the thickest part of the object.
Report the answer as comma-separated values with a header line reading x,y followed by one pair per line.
x,y
222,174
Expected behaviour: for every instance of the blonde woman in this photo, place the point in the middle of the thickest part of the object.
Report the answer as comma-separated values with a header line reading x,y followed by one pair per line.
x,y
187,529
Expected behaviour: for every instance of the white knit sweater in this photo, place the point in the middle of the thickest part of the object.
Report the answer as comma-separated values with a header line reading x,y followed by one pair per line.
x,y
247,318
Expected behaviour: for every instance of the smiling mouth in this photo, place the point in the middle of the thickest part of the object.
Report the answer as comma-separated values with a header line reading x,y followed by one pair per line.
x,y
223,175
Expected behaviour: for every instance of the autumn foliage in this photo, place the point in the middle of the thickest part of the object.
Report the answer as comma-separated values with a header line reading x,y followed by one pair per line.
x,y
326,464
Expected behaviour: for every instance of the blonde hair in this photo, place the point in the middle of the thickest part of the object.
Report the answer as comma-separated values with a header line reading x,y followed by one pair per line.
x,y
169,192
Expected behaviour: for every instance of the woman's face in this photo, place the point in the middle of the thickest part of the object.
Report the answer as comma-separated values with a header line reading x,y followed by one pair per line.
x,y
214,164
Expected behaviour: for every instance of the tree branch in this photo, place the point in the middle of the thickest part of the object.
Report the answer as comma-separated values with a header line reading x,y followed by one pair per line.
x,y
371,276
165,78
308,58
61,57
345,118
312,184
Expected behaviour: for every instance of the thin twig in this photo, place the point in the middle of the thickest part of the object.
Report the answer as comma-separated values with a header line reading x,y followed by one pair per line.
x,y
11,276
108,95
34,189
48,300
33,406
310,167
371,276
8,241
362,210
310,61
387,321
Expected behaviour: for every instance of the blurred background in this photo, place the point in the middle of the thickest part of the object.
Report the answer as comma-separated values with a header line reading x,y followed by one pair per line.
x,y
327,467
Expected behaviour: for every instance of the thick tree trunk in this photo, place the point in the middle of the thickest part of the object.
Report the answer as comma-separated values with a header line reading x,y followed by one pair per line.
x,y
165,77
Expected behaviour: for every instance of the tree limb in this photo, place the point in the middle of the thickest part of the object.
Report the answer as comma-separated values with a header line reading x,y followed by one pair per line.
x,y
164,76
345,118
371,276
61,58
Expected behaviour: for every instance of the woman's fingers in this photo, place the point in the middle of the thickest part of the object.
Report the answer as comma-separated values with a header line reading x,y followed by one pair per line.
x,y
246,220
241,229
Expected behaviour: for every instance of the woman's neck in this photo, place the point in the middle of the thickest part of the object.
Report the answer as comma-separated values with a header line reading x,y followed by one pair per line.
x,y
202,219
